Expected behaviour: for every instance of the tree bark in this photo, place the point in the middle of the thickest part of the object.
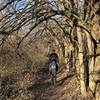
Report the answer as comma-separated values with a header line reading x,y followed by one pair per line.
x,y
91,62
81,67
66,53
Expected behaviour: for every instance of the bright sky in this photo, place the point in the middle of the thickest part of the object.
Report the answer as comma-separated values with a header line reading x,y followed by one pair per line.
x,y
21,4
53,4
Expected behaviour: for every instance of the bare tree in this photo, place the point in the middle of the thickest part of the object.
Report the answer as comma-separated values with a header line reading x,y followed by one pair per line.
x,y
66,21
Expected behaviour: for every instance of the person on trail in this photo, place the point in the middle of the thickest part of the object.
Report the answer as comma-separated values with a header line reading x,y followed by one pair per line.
x,y
54,57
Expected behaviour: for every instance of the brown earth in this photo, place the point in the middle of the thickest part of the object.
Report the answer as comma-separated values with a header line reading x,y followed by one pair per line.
x,y
33,83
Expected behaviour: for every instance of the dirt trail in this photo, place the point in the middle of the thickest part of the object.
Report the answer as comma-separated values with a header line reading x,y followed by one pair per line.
x,y
44,90
23,83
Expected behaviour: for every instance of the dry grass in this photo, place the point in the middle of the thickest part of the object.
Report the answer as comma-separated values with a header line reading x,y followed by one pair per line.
x,y
24,76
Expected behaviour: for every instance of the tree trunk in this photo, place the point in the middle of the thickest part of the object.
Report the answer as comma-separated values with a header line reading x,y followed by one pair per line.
x,y
81,67
91,62
98,92
68,49
66,57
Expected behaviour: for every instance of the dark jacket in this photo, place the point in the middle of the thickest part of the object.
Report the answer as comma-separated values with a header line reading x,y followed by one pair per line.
x,y
53,56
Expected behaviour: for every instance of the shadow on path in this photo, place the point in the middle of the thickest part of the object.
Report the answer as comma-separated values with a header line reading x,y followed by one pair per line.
x,y
60,82
42,84
42,88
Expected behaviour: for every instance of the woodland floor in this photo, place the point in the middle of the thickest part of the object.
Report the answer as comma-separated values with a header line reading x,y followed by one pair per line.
x,y
34,84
